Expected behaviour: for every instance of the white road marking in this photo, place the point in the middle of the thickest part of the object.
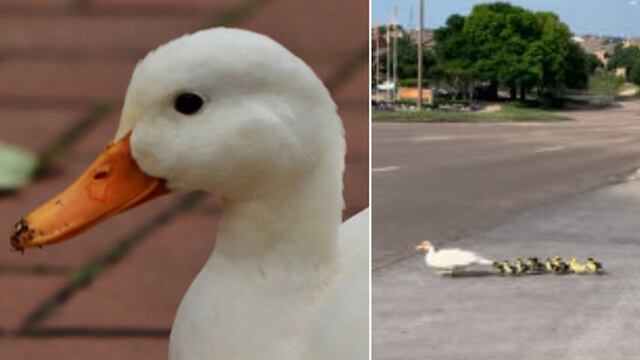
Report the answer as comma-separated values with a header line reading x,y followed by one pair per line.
x,y
519,124
384,169
549,149
433,138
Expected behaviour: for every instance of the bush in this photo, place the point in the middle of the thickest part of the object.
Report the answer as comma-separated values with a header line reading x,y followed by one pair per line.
x,y
412,83
440,102
634,75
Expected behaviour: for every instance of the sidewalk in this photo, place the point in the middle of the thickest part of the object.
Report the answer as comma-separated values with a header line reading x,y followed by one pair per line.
x,y
65,65
419,315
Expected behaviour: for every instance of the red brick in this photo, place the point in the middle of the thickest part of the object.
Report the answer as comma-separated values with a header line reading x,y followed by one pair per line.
x,y
204,5
22,293
352,100
331,28
145,289
356,188
89,145
354,92
81,79
98,80
90,33
34,129
356,184
356,126
83,348
34,4
146,286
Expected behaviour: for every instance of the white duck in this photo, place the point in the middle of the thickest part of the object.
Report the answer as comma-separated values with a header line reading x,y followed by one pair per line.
x,y
448,261
236,114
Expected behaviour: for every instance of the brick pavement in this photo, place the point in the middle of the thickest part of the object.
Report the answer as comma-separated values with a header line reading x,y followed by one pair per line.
x,y
112,293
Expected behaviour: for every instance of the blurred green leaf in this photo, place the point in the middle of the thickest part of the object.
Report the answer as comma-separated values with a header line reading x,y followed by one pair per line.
x,y
17,167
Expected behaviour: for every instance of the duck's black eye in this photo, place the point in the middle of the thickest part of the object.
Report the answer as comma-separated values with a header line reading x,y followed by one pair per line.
x,y
188,103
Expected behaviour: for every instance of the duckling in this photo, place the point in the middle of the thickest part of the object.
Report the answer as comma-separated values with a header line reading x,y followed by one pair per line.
x,y
507,268
556,260
520,267
560,268
497,268
576,267
534,265
594,266
548,265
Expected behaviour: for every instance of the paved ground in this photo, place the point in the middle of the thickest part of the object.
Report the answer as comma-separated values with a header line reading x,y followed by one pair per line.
x,y
65,65
508,190
443,181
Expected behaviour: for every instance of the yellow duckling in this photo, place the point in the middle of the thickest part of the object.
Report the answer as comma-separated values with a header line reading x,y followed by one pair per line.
x,y
594,266
497,268
520,267
556,260
507,268
576,267
548,265
534,265
560,267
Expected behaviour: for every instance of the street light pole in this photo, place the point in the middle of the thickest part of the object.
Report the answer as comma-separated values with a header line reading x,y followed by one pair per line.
x,y
421,10
388,61
395,53
377,32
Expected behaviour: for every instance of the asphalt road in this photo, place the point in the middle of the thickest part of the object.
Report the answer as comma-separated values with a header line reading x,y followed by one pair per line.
x,y
444,181
508,190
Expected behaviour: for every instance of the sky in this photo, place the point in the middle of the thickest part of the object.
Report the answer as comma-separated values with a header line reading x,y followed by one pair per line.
x,y
598,17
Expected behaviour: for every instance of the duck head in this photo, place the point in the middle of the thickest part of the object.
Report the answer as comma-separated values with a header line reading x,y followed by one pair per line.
x,y
424,245
223,110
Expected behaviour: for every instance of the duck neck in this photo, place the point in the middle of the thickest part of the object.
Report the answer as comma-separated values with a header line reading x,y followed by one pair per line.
x,y
286,227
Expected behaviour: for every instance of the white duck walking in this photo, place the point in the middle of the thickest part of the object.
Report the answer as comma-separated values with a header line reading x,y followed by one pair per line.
x,y
236,114
448,261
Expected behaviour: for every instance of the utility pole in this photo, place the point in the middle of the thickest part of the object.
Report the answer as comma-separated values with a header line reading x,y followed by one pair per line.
x,y
421,15
388,60
377,35
395,53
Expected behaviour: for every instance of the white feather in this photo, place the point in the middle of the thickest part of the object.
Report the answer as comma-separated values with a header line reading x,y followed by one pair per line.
x,y
450,259
285,280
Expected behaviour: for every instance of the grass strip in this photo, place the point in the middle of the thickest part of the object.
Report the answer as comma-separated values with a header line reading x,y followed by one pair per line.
x,y
508,113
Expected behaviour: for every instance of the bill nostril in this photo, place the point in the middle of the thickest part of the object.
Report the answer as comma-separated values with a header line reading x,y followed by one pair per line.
x,y
102,172
100,175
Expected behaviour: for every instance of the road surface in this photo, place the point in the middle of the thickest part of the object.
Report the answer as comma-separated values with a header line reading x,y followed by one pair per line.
x,y
507,190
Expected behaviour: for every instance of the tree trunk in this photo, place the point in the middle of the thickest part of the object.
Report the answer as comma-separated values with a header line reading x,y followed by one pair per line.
x,y
492,91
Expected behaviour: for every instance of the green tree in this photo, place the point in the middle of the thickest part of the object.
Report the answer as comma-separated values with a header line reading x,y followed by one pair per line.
x,y
579,67
624,57
593,63
499,44
634,74
501,33
554,45
629,58
408,58
453,54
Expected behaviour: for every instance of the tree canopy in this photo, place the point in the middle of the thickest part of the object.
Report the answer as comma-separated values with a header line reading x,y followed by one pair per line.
x,y
500,44
628,58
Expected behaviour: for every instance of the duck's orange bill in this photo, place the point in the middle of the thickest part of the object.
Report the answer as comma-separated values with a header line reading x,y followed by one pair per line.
x,y
113,183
